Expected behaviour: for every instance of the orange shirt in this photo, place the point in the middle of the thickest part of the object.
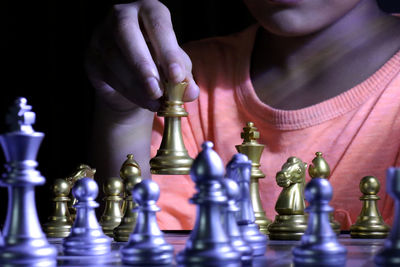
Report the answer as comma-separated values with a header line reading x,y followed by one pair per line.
x,y
358,131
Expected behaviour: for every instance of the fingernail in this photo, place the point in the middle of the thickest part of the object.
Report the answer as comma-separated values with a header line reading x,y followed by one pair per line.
x,y
176,73
154,86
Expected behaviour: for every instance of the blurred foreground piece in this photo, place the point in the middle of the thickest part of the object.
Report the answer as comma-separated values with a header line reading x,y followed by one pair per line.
x,y
208,244
112,214
125,228
369,223
239,169
81,171
319,245
390,254
172,156
24,241
86,238
291,222
146,245
230,224
253,150
59,223
320,169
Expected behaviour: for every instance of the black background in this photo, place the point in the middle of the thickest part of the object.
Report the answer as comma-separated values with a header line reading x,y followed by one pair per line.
x,y
42,53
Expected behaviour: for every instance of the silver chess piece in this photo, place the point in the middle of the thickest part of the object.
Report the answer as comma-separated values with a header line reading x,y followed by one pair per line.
x,y
319,245
389,255
146,245
239,170
208,245
24,242
86,237
230,224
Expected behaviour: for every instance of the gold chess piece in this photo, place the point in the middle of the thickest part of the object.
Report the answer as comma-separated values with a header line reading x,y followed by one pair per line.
x,y
320,169
253,150
83,170
112,214
128,222
130,169
369,223
59,223
291,222
172,156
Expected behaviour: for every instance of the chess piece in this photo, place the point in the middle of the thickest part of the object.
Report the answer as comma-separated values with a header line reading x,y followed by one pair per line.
x,y
369,223
24,242
253,150
83,170
389,255
208,244
130,169
320,169
112,215
86,238
239,170
319,245
146,245
291,222
122,232
230,224
59,223
172,156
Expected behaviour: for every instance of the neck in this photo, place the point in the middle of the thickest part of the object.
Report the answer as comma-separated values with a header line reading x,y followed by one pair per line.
x,y
352,48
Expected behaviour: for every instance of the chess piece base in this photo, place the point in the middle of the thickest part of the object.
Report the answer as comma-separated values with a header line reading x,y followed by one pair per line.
x,y
171,162
147,254
262,221
288,227
327,254
57,230
368,230
77,245
216,257
35,252
253,237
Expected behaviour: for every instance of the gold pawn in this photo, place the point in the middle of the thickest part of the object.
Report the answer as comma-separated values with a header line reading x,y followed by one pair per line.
x,y
172,156
253,150
130,169
112,214
320,169
128,222
83,170
369,223
59,223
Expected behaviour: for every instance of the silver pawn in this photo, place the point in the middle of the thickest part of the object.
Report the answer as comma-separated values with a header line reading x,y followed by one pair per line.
x,y
87,237
239,170
24,242
230,223
208,245
389,255
319,245
146,245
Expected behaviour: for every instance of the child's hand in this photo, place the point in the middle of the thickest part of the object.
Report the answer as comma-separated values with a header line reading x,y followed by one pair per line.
x,y
133,53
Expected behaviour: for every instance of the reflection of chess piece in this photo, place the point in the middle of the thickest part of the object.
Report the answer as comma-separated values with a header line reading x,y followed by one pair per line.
x,y
112,215
81,171
122,232
24,242
291,222
59,223
253,150
319,245
320,169
130,170
369,223
172,156
389,255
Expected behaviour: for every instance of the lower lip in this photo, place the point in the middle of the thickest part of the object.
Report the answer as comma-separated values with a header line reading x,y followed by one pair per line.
x,y
285,2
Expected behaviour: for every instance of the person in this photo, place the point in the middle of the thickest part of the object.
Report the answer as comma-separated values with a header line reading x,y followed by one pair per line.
x,y
312,75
